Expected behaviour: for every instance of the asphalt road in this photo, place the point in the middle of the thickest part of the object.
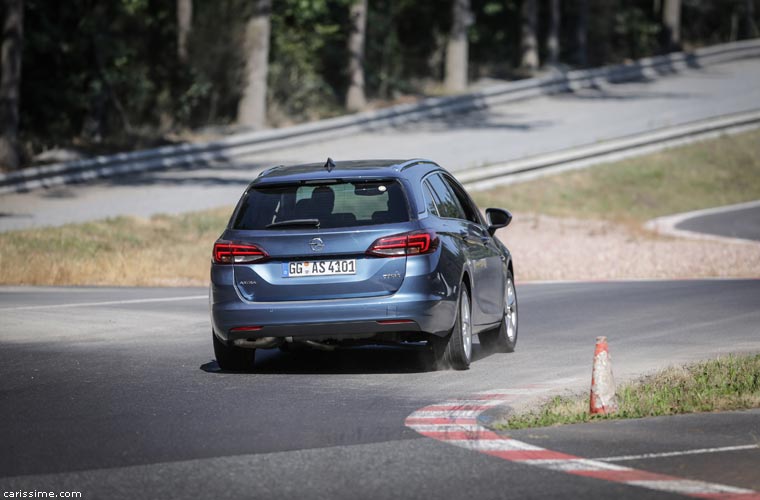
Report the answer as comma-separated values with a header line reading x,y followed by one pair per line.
x,y
743,223
115,393
460,141
729,443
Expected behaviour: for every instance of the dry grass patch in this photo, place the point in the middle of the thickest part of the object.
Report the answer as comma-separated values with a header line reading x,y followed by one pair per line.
x,y
707,174
126,251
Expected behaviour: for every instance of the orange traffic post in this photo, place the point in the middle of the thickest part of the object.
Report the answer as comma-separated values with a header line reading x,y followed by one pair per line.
x,y
603,399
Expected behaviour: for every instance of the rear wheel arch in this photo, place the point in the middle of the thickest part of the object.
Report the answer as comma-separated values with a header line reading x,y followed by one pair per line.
x,y
455,350
499,339
465,281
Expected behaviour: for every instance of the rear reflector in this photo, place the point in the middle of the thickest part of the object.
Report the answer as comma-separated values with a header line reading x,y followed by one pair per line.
x,y
226,252
415,243
394,321
246,329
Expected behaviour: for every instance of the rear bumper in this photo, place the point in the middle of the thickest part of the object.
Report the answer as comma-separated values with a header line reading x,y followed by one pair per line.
x,y
334,319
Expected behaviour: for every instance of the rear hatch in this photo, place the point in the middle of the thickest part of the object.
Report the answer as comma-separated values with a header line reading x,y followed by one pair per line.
x,y
314,238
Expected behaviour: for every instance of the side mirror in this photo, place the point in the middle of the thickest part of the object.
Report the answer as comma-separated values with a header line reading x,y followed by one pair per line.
x,y
497,218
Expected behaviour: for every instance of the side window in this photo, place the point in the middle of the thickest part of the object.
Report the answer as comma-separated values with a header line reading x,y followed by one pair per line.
x,y
447,203
470,210
429,198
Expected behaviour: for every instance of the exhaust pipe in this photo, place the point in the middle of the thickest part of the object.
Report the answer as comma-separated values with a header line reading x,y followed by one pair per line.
x,y
262,343
270,342
311,343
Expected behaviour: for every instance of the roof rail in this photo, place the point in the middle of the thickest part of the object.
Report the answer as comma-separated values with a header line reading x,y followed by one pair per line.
x,y
413,162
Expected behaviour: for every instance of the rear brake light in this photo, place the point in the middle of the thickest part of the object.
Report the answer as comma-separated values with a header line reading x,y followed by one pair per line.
x,y
404,244
237,253
240,329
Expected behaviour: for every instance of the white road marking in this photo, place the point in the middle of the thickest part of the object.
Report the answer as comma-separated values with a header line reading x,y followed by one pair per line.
x,y
700,451
446,427
492,444
446,414
106,303
470,402
574,464
688,487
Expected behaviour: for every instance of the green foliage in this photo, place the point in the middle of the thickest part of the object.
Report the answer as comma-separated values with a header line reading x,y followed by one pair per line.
x,y
95,69
306,73
108,72
495,37
405,43
636,34
216,67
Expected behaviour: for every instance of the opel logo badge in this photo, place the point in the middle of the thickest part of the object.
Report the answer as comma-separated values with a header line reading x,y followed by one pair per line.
x,y
317,244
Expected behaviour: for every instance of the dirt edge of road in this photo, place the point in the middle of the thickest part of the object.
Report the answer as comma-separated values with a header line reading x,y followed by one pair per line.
x,y
553,248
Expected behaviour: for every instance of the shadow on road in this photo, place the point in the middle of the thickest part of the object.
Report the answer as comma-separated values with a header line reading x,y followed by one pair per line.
x,y
348,361
475,119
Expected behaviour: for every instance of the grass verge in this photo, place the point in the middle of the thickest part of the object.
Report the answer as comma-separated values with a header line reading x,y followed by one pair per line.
x,y
727,383
160,251
707,174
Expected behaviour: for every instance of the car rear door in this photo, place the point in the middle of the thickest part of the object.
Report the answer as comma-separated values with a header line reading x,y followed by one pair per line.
x,y
481,251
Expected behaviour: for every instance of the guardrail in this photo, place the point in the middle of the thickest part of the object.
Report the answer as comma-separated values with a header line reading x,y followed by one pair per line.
x,y
252,142
612,150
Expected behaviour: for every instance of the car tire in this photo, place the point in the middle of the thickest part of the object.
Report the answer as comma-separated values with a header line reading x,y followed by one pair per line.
x,y
504,337
231,358
455,350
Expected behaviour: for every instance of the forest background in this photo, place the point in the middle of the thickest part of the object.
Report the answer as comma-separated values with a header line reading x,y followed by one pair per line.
x,y
85,77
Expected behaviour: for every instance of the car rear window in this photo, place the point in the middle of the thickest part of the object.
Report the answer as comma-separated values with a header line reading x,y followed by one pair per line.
x,y
333,204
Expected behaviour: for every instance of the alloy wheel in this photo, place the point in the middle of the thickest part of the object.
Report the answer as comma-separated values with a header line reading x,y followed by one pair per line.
x,y
466,326
510,310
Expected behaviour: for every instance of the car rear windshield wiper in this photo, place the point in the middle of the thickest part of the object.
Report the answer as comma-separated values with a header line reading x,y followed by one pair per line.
x,y
294,223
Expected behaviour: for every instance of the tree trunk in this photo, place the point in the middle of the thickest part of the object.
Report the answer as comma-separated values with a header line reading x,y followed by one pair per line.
x,y
355,98
10,82
457,47
253,104
184,25
552,42
671,20
581,34
529,40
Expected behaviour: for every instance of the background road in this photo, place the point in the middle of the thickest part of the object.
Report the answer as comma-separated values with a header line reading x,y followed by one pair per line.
x,y
458,142
741,223
114,392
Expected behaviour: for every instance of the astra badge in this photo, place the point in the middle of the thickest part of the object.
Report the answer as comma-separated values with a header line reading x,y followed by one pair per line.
x,y
317,244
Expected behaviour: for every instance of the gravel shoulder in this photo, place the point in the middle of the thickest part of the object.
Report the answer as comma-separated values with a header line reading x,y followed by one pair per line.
x,y
554,248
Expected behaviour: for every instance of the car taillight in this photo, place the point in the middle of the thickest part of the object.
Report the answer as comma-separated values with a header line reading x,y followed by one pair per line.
x,y
404,244
226,252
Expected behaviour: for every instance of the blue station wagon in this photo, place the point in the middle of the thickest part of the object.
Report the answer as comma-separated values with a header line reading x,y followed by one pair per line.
x,y
361,252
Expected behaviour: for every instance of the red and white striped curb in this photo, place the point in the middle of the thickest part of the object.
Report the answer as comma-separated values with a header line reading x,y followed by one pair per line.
x,y
456,422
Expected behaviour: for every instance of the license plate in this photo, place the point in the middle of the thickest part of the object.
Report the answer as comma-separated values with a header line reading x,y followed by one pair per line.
x,y
318,268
